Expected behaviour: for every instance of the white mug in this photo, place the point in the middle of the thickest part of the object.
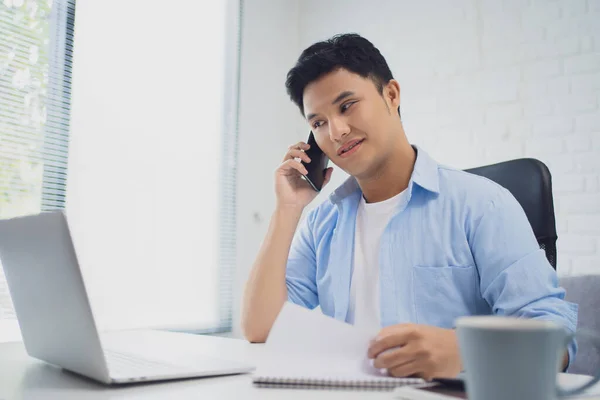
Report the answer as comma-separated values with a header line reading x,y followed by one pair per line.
x,y
507,358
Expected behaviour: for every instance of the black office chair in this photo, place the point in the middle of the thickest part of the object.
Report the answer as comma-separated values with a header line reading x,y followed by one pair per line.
x,y
529,180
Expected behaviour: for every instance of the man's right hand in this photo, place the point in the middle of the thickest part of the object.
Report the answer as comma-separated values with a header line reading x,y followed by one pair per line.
x,y
291,189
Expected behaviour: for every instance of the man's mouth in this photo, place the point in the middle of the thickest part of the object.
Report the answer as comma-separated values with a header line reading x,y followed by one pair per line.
x,y
350,147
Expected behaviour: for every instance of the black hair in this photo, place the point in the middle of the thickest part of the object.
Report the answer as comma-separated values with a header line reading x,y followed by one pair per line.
x,y
349,51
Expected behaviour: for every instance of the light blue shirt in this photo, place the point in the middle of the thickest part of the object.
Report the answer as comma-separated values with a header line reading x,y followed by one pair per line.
x,y
459,244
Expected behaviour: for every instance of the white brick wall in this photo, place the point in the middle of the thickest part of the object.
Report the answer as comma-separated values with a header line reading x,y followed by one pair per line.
x,y
488,80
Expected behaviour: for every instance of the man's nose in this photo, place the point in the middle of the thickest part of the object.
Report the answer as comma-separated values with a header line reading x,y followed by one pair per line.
x,y
338,128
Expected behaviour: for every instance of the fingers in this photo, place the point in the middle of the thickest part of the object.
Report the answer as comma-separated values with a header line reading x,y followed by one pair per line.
x,y
410,368
394,357
294,149
402,362
300,146
291,165
399,336
409,349
295,153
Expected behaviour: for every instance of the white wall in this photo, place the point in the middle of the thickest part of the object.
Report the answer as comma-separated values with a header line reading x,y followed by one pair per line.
x,y
488,80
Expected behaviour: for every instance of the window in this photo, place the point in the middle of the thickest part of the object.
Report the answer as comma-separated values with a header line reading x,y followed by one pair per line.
x,y
150,188
35,63
151,185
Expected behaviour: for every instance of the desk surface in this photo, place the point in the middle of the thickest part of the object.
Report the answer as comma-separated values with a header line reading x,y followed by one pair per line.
x,y
23,377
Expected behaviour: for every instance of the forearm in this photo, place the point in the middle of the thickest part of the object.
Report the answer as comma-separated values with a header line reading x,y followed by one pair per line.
x,y
555,310
266,290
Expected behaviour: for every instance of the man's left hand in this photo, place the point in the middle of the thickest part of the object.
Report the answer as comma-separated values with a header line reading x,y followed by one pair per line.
x,y
417,350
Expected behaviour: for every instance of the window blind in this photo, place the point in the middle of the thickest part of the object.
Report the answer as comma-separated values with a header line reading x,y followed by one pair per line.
x,y
36,39
228,178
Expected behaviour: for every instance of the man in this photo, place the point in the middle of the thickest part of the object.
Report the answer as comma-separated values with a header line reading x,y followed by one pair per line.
x,y
404,244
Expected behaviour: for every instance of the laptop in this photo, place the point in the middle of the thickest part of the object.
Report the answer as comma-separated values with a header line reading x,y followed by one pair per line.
x,y
55,316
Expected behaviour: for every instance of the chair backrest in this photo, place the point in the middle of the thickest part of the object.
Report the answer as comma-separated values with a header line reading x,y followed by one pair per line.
x,y
530,182
583,291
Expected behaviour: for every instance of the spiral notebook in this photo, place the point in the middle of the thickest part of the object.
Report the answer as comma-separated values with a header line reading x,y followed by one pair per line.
x,y
306,349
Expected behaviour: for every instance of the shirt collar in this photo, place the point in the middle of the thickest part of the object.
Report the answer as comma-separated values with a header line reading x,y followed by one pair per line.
x,y
425,175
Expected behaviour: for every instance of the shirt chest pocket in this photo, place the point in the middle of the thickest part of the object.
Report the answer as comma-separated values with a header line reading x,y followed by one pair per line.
x,y
443,293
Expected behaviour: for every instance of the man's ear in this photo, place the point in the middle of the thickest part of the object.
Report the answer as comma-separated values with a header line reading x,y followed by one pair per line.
x,y
391,93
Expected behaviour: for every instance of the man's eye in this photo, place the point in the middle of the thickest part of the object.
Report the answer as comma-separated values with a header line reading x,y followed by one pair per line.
x,y
346,106
317,124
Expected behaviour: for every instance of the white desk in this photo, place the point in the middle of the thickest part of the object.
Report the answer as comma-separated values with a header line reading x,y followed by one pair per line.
x,y
22,377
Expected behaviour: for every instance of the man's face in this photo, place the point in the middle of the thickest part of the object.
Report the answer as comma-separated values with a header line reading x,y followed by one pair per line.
x,y
352,123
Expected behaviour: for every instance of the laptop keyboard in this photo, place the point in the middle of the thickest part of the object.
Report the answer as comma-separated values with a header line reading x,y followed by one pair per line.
x,y
129,365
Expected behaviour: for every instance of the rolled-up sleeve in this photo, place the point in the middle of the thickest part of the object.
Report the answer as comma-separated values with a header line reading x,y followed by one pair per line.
x,y
300,277
516,278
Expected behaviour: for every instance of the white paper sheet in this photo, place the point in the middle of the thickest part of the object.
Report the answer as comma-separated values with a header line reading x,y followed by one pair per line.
x,y
307,344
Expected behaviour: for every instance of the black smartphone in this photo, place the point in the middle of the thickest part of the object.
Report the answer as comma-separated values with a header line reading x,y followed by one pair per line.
x,y
317,165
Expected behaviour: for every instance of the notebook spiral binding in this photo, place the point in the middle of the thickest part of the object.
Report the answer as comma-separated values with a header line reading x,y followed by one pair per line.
x,y
333,383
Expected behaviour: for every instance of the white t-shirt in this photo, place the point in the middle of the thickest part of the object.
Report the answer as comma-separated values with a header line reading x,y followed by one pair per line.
x,y
371,220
